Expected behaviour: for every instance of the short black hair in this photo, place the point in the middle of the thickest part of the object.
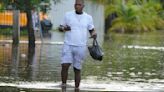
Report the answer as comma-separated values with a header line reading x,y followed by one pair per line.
x,y
80,0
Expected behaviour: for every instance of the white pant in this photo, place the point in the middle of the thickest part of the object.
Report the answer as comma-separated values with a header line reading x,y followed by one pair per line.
x,y
73,55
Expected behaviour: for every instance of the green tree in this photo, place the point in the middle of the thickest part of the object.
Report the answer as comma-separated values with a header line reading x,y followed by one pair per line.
x,y
136,15
26,6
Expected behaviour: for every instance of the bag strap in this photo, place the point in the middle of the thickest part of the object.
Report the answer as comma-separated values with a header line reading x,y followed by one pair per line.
x,y
95,43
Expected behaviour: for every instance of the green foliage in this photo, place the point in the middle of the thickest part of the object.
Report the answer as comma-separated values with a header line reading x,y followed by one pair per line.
x,y
136,15
8,31
21,4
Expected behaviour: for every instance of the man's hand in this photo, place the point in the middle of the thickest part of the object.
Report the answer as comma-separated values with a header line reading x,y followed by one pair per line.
x,y
61,28
94,35
67,28
64,28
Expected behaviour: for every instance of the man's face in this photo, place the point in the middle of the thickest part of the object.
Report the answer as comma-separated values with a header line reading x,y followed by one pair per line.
x,y
79,6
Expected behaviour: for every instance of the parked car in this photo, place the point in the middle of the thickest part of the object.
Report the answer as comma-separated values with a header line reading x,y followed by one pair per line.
x,y
46,25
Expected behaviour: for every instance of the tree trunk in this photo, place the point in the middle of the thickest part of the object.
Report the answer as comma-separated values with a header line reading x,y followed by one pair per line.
x,y
108,21
31,36
162,1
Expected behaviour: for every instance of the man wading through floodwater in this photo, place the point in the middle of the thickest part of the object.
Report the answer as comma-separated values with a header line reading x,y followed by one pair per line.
x,y
76,25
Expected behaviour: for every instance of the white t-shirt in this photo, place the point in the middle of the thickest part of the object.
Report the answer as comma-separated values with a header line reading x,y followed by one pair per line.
x,y
80,25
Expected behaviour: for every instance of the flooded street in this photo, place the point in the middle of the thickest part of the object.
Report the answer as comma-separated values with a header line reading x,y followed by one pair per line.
x,y
123,68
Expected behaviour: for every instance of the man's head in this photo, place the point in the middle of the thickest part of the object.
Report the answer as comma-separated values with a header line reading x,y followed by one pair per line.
x,y
79,5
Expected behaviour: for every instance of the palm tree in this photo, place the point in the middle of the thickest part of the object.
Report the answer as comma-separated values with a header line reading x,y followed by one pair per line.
x,y
135,15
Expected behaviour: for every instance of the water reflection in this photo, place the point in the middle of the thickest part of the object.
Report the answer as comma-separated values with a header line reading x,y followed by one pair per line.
x,y
47,35
15,60
7,89
21,66
64,89
14,89
41,65
130,64
32,64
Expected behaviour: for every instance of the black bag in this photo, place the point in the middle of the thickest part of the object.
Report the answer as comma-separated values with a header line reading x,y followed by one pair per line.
x,y
95,51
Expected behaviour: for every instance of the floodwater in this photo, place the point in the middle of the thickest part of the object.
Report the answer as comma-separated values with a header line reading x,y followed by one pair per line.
x,y
132,62
127,65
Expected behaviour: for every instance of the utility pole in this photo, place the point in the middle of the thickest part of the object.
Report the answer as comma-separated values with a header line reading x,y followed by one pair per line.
x,y
16,27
